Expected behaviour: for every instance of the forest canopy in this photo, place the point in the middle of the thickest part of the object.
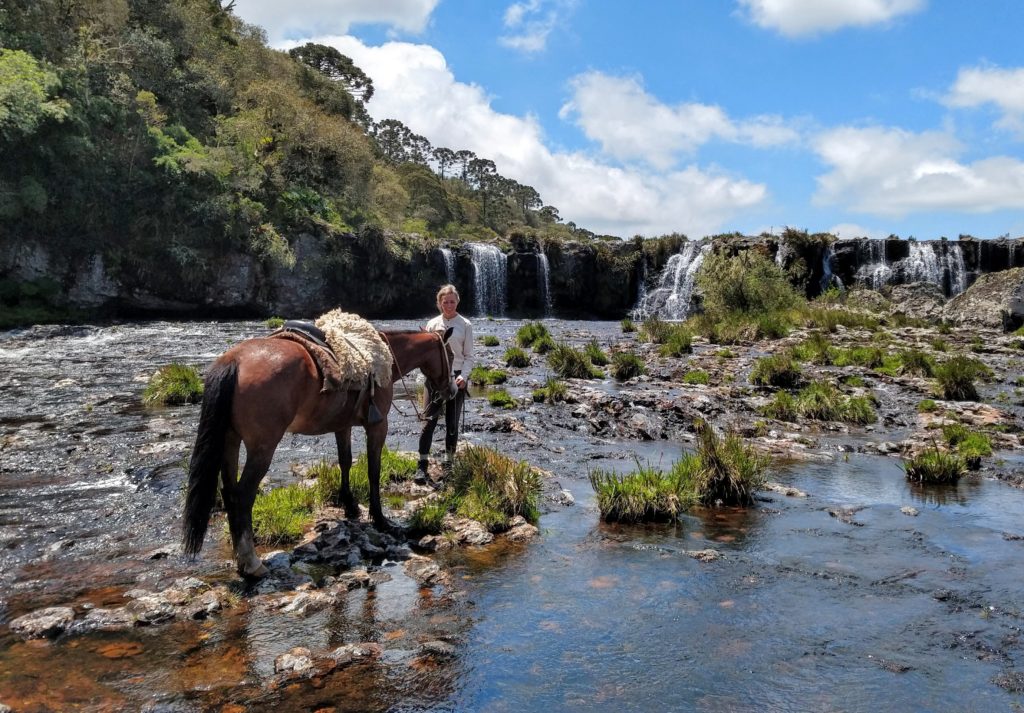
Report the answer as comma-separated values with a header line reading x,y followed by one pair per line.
x,y
167,132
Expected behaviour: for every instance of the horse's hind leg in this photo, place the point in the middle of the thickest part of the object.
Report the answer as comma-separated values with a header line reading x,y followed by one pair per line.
x,y
238,501
375,436
345,497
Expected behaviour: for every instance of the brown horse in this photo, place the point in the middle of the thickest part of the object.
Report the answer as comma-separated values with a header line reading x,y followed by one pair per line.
x,y
261,389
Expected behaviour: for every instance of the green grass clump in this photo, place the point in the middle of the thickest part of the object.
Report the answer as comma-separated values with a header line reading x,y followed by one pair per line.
x,y
782,407
679,341
530,334
627,326
492,488
696,377
174,384
501,399
853,380
516,357
274,322
816,349
655,330
821,401
776,370
721,472
626,365
594,352
725,353
487,377
915,361
428,518
283,514
570,363
871,357
489,340
956,375
553,391
969,444
927,406
393,467
933,465
939,345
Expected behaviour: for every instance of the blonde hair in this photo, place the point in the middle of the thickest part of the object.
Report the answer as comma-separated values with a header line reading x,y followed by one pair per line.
x,y
447,290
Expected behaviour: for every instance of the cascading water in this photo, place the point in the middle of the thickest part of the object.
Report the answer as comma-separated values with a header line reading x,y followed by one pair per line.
x,y
490,277
544,282
828,278
671,298
939,263
449,265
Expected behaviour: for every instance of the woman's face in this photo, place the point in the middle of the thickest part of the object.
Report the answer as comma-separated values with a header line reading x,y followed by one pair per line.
x,y
449,304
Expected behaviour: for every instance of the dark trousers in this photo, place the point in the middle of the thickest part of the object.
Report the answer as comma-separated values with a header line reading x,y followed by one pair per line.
x,y
452,414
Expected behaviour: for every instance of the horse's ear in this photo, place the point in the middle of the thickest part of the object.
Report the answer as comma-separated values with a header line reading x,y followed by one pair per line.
x,y
448,334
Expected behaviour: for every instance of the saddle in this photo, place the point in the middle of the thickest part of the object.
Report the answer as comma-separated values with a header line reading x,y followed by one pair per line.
x,y
314,341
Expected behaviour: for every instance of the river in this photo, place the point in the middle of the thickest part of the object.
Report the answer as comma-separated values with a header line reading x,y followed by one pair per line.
x,y
844,600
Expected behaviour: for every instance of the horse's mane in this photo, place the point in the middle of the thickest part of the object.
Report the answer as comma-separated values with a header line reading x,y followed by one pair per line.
x,y
358,346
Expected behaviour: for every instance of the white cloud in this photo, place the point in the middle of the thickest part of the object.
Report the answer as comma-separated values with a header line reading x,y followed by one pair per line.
x,y
412,83
891,172
795,18
977,86
303,18
531,22
631,124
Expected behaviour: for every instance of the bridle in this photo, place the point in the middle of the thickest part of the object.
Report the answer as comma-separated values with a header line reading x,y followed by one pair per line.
x,y
438,396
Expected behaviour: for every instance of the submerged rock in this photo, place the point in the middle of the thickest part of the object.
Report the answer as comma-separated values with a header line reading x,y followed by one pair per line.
x,y
43,623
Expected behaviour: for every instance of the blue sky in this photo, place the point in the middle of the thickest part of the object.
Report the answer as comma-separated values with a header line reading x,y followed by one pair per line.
x,y
859,117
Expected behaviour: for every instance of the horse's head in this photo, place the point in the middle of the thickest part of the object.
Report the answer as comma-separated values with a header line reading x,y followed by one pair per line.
x,y
438,370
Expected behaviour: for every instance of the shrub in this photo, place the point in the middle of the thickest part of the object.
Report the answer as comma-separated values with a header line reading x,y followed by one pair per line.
x,y
595,353
490,340
627,326
516,357
530,333
501,399
696,377
571,363
776,370
174,384
488,377
626,365
747,283
933,465
956,377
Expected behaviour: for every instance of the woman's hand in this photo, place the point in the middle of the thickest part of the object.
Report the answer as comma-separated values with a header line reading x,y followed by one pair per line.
x,y
460,382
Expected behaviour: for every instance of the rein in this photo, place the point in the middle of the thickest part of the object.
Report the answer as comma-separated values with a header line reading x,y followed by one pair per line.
x,y
401,374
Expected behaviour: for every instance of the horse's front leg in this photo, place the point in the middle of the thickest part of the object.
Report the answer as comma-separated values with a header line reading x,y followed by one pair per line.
x,y
238,501
345,497
375,436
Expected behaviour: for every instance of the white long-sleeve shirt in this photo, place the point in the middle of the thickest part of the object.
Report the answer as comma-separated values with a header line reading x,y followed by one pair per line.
x,y
461,341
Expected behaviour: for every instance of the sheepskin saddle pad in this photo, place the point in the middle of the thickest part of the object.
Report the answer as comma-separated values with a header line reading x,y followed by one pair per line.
x,y
358,346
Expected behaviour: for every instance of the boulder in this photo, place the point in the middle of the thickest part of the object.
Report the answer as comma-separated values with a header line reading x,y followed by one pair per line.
x,y
918,300
994,301
43,623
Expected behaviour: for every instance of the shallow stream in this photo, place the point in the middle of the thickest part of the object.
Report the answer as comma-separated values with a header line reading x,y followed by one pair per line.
x,y
836,601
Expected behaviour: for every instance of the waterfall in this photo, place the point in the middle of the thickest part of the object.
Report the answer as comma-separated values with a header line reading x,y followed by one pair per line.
x,y
828,278
449,265
544,282
873,270
782,253
939,262
490,277
671,298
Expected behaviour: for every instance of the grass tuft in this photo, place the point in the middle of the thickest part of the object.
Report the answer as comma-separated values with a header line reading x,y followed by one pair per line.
x,y
174,384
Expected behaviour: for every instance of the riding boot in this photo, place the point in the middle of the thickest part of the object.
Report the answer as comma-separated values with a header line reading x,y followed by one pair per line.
x,y
421,477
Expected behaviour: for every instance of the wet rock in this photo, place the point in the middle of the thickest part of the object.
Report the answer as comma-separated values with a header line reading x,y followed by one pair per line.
x,y
786,490
357,579
425,571
353,652
151,609
205,604
845,514
105,620
437,648
891,666
907,510
467,532
43,623
521,530
707,555
564,497
298,661
1012,681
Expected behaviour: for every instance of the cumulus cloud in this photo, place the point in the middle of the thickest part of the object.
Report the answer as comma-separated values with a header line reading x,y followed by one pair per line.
x,y
795,18
892,172
531,22
631,124
302,18
414,84
977,86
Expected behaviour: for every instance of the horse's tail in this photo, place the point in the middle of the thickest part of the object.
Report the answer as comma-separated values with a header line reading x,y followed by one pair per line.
x,y
208,454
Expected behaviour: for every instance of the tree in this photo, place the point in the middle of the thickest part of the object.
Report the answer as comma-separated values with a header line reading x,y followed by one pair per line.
x,y
444,157
334,65
26,95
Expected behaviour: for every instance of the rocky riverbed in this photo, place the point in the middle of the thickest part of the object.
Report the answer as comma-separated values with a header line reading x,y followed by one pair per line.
x,y
844,581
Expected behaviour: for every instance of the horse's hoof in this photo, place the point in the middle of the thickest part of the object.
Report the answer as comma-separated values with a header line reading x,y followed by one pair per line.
x,y
257,573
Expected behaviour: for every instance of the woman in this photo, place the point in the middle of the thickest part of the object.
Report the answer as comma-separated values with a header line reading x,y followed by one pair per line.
x,y
461,342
